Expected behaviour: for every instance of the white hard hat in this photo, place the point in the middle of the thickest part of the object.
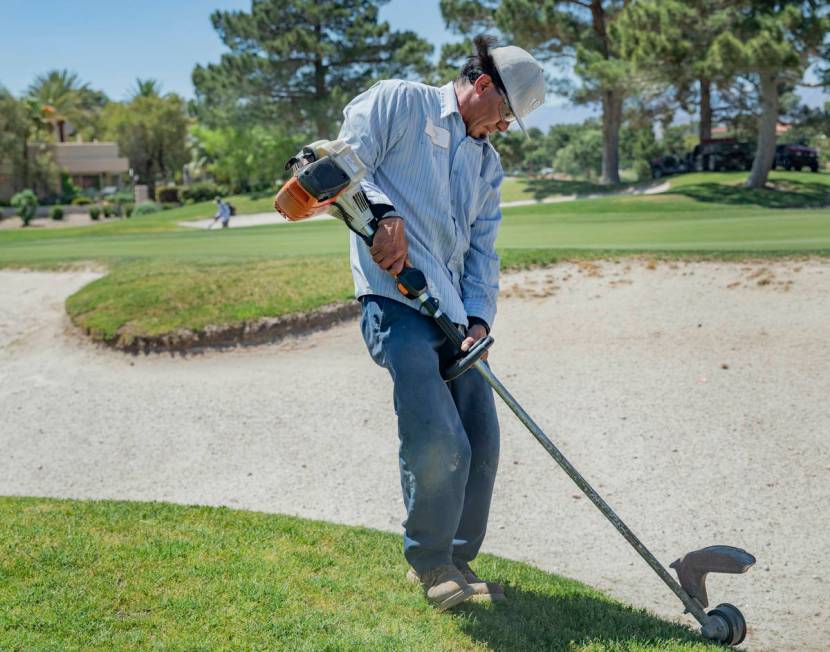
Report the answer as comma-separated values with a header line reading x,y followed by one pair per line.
x,y
523,78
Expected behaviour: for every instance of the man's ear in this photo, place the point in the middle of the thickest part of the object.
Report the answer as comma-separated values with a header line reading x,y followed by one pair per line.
x,y
483,82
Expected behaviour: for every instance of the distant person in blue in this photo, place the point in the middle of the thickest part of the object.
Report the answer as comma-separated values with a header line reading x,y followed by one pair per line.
x,y
433,181
223,213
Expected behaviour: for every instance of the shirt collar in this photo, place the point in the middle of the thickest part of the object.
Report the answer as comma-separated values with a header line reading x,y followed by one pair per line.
x,y
449,105
449,102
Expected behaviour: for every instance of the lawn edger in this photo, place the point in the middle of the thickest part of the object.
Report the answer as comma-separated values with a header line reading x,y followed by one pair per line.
x,y
326,178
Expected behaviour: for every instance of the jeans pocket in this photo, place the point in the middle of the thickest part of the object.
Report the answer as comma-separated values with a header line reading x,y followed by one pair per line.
x,y
372,328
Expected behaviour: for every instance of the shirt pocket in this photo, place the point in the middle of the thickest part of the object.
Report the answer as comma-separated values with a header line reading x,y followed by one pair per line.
x,y
479,199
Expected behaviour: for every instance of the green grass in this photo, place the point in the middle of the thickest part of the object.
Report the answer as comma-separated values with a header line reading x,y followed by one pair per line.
x,y
664,224
102,575
788,189
154,297
165,277
160,222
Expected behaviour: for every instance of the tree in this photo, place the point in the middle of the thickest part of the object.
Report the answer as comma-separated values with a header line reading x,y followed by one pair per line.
x,y
811,126
774,41
23,127
295,62
581,157
145,88
150,131
824,65
578,30
670,41
510,146
638,146
63,98
14,128
26,204
453,56
245,158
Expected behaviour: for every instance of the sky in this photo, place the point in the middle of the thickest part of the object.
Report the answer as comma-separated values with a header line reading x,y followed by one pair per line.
x,y
110,43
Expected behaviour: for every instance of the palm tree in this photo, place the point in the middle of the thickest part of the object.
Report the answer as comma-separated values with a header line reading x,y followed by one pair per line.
x,y
145,88
62,98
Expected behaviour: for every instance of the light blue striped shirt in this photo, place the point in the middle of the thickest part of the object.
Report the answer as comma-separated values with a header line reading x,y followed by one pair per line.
x,y
443,182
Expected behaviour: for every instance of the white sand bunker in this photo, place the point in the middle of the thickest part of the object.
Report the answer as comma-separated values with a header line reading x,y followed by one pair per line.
x,y
692,395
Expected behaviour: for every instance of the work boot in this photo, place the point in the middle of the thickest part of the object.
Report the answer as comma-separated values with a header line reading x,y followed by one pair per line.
x,y
444,586
484,591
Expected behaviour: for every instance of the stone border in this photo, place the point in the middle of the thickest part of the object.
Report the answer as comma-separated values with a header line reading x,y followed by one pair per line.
x,y
250,333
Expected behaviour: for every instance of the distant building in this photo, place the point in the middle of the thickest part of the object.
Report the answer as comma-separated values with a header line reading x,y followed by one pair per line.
x,y
90,165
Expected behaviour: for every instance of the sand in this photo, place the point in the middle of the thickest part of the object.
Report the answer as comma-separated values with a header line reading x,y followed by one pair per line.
x,y
694,396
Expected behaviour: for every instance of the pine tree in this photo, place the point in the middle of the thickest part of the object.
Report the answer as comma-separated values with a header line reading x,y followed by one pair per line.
x,y
578,30
297,63
670,41
774,41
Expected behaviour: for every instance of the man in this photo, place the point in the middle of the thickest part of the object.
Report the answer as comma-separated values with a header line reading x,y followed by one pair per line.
x,y
223,213
433,181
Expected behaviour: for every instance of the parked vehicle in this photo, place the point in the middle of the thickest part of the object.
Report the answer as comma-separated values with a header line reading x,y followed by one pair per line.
x,y
795,157
719,154
665,165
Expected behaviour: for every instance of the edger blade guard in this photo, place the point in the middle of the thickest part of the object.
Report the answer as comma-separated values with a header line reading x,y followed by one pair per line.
x,y
693,567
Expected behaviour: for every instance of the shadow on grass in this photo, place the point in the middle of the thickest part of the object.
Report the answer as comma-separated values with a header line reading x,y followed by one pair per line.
x,y
535,621
541,188
788,193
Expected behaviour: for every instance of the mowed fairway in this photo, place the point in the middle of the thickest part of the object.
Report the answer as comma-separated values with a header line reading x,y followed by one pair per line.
x,y
658,223
312,239
655,223
664,223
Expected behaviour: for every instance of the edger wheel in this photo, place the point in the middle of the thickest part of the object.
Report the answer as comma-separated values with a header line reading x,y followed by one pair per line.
x,y
735,625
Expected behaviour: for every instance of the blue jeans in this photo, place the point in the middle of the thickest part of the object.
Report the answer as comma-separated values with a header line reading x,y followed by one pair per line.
x,y
448,432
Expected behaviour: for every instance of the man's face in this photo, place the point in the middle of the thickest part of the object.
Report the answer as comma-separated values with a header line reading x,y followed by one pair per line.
x,y
488,110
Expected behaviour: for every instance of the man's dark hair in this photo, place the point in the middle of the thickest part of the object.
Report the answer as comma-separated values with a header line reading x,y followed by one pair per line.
x,y
481,63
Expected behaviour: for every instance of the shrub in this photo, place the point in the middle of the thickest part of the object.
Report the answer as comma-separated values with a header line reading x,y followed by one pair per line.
x,y
146,208
81,200
56,213
95,212
107,210
122,197
204,191
68,189
167,195
128,209
26,204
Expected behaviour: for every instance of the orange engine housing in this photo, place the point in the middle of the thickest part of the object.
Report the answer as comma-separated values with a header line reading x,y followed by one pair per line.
x,y
294,203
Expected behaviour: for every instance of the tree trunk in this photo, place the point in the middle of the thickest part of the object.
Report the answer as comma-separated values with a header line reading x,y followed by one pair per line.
x,y
705,109
612,102
320,91
26,170
765,151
